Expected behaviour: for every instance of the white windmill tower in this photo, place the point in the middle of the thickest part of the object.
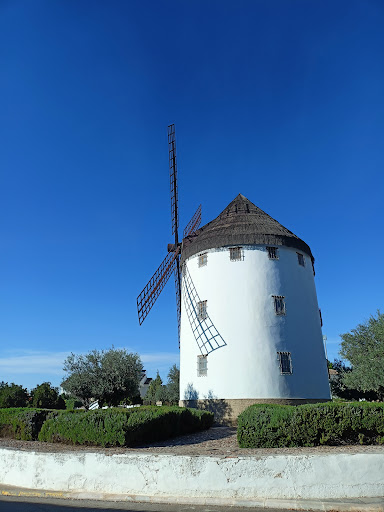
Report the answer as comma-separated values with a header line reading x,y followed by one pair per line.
x,y
249,322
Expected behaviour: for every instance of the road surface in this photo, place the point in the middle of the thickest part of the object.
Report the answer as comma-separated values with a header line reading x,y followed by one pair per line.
x,y
27,504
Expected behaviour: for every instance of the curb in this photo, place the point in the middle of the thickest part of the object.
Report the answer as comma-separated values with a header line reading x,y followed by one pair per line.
x,y
341,505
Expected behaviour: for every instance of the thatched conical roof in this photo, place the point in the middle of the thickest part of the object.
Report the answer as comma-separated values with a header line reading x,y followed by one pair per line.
x,y
241,223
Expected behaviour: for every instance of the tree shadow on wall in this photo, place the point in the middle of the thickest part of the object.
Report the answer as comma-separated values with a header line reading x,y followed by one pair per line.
x,y
220,408
190,393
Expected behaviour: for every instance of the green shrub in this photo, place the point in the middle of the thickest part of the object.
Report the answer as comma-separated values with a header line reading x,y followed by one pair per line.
x,y
22,423
311,425
123,427
72,403
264,425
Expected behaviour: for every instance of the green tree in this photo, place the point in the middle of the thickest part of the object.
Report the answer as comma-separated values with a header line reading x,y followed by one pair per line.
x,y
154,391
46,396
168,393
107,376
363,347
12,395
173,385
339,389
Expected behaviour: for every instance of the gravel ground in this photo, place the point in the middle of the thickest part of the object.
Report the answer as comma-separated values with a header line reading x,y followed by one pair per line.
x,y
217,442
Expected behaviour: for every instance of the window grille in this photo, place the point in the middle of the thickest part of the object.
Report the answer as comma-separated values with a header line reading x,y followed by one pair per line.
x,y
272,253
202,310
235,254
300,259
285,363
203,258
202,366
279,304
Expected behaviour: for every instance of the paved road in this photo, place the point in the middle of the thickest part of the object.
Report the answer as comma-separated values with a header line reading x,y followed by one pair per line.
x,y
21,504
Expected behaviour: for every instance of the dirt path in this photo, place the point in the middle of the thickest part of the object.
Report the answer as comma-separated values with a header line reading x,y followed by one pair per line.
x,y
217,441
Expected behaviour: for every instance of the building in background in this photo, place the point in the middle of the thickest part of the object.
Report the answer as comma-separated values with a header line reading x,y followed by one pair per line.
x,y
144,383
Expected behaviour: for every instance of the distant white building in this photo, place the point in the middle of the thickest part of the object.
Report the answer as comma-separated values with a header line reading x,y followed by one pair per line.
x,y
250,322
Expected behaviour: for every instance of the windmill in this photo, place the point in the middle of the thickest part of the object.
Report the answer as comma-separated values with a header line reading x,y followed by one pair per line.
x,y
255,278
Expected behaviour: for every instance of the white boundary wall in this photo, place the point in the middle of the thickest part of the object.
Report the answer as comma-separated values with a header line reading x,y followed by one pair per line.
x,y
162,477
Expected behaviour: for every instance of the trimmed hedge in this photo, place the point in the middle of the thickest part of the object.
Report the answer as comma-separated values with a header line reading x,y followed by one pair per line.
x,y
123,427
23,423
270,426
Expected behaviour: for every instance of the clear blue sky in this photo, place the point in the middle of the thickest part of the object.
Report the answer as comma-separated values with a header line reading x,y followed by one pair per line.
x,y
281,101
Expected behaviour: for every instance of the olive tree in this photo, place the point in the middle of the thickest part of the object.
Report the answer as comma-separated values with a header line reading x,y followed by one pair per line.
x,y
108,376
363,347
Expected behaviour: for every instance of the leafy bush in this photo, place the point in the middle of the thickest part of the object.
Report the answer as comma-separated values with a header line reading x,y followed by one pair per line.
x,y
123,427
22,423
72,403
266,426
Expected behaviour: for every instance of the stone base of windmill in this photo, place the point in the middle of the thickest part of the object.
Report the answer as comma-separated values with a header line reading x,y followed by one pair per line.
x,y
226,411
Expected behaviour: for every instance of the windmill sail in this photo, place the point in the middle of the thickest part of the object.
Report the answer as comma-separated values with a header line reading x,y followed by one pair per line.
x,y
206,335
193,224
155,285
173,180
178,296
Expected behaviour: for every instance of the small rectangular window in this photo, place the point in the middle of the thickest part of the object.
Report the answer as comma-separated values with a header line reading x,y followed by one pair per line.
x,y
202,310
272,253
279,304
203,259
285,363
235,254
202,366
300,259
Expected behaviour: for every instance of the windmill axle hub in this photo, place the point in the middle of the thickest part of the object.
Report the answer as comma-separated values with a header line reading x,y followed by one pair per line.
x,y
173,247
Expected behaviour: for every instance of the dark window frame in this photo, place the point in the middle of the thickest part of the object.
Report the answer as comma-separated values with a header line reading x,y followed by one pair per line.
x,y
301,259
272,252
279,305
285,362
236,254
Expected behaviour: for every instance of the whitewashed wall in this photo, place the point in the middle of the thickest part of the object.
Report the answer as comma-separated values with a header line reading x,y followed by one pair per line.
x,y
240,304
241,481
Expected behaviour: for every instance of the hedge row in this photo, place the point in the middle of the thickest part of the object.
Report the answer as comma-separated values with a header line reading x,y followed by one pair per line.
x,y
123,427
269,426
22,422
